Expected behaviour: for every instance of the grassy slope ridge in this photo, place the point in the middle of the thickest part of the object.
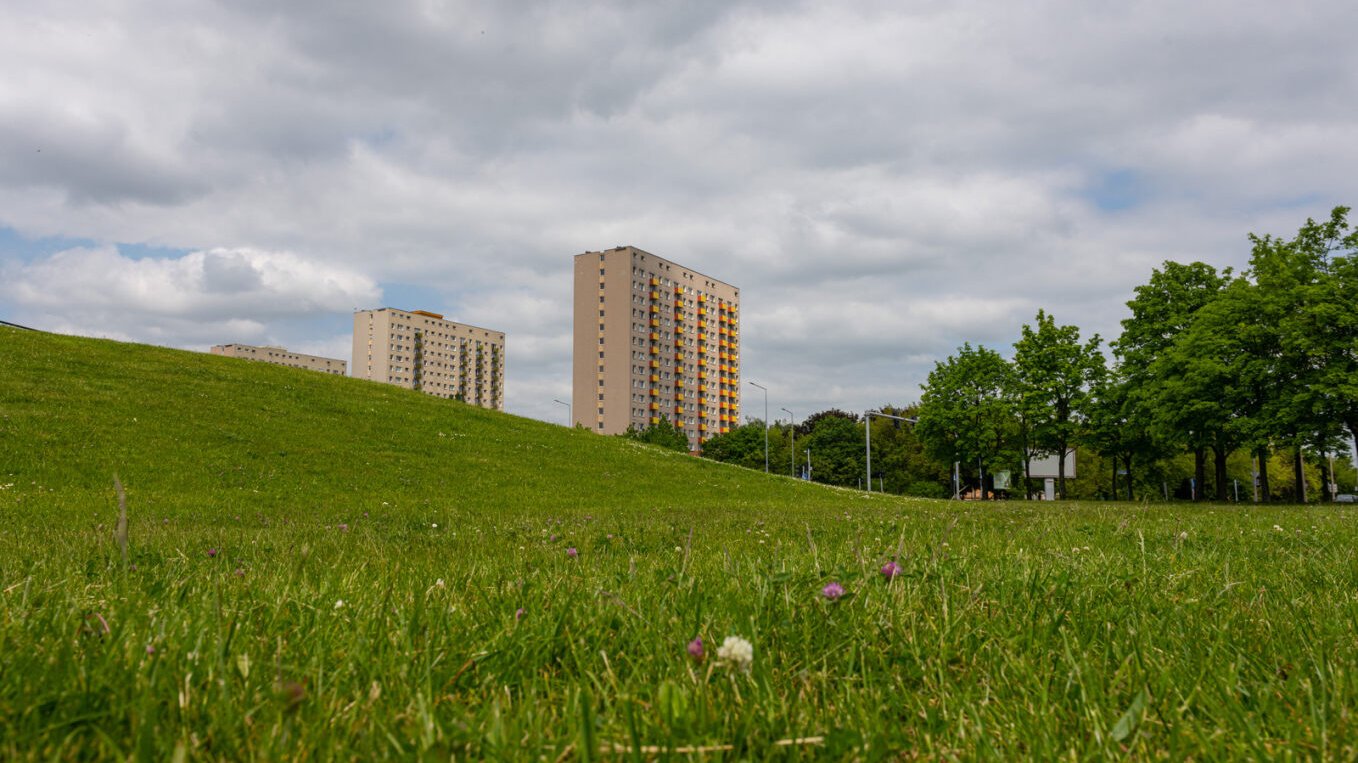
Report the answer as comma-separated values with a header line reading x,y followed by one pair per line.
x,y
323,568
193,431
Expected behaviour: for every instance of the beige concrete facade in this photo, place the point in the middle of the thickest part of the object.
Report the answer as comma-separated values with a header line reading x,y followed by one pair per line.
x,y
281,357
653,340
420,350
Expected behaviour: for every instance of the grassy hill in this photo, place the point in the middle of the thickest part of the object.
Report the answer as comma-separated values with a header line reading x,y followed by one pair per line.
x,y
324,568
189,432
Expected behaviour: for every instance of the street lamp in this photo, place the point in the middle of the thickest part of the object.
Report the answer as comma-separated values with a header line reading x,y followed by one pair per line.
x,y
867,420
569,423
766,425
792,443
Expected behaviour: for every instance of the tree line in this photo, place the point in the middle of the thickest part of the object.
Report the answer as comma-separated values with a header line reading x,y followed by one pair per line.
x,y
1217,378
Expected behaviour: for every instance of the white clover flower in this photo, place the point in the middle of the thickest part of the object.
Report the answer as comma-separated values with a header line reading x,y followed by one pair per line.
x,y
1276,528
736,652
438,583
339,603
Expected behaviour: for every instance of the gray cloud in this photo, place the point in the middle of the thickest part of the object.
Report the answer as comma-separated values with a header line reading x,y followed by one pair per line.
x,y
884,183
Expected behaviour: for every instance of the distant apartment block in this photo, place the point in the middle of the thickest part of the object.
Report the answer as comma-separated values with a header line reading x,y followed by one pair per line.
x,y
420,350
281,357
654,340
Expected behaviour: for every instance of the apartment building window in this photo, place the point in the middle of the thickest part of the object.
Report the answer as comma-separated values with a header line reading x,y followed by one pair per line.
x,y
601,271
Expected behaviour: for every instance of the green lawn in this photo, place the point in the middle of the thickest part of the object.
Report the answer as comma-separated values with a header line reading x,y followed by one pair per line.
x,y
326,568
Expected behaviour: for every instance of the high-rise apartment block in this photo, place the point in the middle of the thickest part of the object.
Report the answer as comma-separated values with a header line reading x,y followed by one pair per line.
x,y
420,350
654,341
280,357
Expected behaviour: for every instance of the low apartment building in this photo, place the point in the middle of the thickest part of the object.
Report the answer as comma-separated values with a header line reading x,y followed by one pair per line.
x,y
420,350
281,357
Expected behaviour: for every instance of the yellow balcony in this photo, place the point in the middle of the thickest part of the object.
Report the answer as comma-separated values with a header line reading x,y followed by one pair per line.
x,y
702,427
655,364
724,343
702,337
723,368
724,430
655,323
678,357
678,411
702,325
702,362
678,290
654,393
702,297
654,334
679,382
702,414
655,281
655,420
655,406
702,388
655,378
655,350
655,295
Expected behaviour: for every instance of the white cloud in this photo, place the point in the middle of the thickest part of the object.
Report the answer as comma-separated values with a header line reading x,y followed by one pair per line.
x,y
215,296
884,182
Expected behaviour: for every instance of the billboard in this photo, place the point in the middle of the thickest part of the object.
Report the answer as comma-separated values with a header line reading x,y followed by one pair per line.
x,y
1042,467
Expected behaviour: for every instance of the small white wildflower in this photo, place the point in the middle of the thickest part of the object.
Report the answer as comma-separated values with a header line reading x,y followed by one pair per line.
x,y
678,550
1183,535
438,583
1276,528
736,652
339,603
435,525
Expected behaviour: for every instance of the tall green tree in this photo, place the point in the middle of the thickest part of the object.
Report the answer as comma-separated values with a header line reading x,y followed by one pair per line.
x,y
1053,374
743,446
1309,285
1119,428
899,460
836,444
966,413
1217,377
1161,310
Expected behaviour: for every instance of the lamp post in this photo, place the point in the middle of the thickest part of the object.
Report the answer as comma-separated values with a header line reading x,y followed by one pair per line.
x,y
792,443
867,420
569,423
766,425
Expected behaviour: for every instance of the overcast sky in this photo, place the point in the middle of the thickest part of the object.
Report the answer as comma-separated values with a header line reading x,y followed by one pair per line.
x,y
882,184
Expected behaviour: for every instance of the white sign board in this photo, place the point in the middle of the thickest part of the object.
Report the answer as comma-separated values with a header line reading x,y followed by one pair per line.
x,y
1046,466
